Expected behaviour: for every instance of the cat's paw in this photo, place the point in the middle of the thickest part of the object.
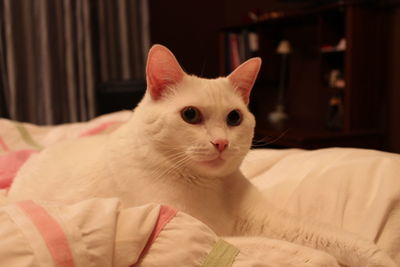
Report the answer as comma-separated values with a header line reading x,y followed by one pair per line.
x,y
377,258
305,257
381,259
367,255
281,253
315,258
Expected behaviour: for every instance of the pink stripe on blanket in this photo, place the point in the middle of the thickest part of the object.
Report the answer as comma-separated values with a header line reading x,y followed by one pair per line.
x,y
3,145
10,164
164,217
51,231
98,129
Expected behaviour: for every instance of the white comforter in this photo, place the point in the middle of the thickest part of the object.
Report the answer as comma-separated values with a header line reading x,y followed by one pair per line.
x,y
357,190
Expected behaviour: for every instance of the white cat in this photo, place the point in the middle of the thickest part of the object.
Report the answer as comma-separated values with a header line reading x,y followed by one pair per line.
x,y
183,147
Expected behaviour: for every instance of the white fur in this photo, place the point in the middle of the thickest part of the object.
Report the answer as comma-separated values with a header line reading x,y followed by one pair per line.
x,y
157,157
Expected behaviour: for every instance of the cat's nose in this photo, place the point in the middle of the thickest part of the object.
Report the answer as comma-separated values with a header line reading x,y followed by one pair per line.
x,y
220,144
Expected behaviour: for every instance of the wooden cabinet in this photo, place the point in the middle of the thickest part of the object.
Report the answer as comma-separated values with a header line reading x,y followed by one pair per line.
x,y
340,39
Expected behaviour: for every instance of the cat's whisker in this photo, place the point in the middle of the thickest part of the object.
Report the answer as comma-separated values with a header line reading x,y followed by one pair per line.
x,y
176,161
185,176
266,140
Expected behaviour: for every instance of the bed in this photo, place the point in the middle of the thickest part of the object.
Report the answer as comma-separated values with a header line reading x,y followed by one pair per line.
x,y
355,189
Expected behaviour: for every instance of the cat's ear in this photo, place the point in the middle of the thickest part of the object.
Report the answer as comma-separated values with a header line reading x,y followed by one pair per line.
x,y
162,70
244,77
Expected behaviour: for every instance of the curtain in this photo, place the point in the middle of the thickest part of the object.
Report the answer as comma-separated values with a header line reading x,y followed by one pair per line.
x,y
53,54
123,39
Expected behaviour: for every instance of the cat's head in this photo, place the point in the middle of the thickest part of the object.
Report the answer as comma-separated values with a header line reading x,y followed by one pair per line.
x,y
199,125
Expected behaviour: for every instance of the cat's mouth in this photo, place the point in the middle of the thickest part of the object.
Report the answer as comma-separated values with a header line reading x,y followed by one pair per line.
x,y
217,162
209,159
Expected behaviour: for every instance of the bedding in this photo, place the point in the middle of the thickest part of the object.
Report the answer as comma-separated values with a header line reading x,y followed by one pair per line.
x,y
43,234
355,189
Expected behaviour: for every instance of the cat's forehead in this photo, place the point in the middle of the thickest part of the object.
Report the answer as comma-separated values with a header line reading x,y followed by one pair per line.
x,y
209,92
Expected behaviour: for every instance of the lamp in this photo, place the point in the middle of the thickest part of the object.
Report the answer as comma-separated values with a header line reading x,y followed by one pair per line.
x,y
278,117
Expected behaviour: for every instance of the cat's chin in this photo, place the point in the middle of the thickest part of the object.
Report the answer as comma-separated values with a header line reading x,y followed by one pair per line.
x,y
212,167
214,163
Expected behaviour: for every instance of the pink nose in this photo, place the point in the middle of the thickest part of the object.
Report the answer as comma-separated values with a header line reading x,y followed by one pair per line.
x,y
220,144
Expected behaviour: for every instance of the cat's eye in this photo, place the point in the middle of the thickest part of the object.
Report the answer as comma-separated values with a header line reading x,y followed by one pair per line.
x,y
191,115
234,118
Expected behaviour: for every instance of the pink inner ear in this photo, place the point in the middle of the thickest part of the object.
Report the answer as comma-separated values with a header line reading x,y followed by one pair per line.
x,y
244,77
163,70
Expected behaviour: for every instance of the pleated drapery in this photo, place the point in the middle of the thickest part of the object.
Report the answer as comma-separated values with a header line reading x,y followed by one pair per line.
x,y
54,53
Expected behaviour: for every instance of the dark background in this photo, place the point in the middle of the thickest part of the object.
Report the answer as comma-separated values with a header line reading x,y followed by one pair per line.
x,y
191,30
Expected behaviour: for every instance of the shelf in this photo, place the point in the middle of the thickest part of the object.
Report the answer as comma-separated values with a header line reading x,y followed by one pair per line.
x,y
288,16
294,15
330,52
315,35
313,139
